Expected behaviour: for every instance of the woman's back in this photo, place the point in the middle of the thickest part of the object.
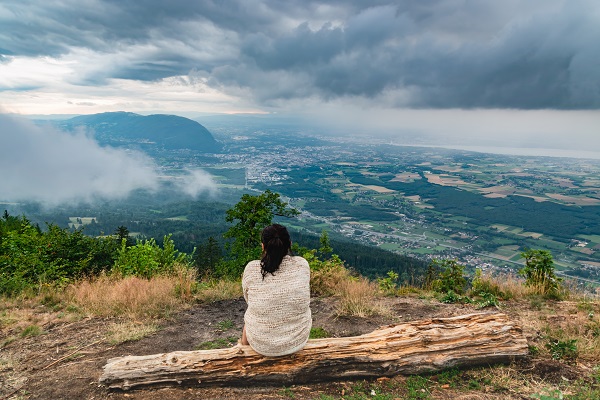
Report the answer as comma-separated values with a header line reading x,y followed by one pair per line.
x,y
278,318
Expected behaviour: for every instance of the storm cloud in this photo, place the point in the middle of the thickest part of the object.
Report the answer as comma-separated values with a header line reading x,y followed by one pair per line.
x,y
516,54
50,166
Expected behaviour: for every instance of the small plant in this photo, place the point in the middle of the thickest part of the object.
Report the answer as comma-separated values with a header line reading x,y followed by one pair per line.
x,y
487,300
7,341
287,392
451,297
552,395
318,333
32,330
481,285
474,385
537,302
225,325
562,350
388,285
593,327
450,376
533,350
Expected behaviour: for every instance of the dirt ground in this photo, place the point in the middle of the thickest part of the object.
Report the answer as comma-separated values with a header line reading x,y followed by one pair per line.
x,y
66,360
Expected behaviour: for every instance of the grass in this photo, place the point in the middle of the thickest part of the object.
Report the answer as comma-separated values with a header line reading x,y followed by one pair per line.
x,y
226,325
32,330
357,298
318,333
220,343
127,331
139,304
418,387
216,290
131,297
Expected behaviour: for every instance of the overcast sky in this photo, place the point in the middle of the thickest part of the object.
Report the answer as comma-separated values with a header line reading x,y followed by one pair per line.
x,y
464,70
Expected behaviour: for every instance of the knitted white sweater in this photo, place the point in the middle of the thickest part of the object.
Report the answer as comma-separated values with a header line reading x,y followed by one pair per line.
x,y
278,318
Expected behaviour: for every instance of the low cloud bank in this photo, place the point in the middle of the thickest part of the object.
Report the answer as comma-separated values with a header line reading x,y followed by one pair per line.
x,y
52,167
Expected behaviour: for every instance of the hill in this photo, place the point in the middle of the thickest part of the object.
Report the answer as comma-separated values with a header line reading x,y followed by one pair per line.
x,y
125,128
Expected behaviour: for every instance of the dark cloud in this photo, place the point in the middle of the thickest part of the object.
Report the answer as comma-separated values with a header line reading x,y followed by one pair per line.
x,y
527,54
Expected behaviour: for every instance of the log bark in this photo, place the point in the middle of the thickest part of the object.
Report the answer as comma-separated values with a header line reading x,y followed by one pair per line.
x,y
408,348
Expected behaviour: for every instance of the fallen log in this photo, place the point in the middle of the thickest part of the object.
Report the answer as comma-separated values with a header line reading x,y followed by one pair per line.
x,y
408,348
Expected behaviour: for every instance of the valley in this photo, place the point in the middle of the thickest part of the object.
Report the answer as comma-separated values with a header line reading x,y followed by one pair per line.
x,y
424,202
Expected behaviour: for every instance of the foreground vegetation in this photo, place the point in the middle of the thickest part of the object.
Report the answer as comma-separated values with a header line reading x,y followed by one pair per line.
x,y
136,287
135,307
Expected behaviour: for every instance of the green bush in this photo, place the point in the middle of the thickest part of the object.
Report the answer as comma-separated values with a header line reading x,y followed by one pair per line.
x,y
146,259
388,285
487,300
30,258
444,276
480,286
539,273
452,297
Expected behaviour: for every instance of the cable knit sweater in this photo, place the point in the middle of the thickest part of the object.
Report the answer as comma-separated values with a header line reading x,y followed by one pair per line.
x,y
278,318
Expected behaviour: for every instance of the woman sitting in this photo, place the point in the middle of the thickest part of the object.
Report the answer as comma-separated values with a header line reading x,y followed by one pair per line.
x,y
277,290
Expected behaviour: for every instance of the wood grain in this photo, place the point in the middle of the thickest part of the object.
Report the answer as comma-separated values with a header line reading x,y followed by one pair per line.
x,y
408,348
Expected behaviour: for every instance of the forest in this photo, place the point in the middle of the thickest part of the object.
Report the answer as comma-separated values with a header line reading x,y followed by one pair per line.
x,y
117,238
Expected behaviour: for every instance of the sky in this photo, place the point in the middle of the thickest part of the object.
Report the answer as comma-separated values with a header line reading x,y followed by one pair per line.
x,y
514,73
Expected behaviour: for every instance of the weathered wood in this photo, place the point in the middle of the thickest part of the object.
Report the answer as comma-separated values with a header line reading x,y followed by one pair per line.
x,y
407,348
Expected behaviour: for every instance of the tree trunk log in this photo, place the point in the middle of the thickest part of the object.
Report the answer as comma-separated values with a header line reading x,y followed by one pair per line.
x,y
408,348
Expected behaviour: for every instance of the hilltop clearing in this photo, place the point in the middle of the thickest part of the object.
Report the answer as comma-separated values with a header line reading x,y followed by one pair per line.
x,y
65,356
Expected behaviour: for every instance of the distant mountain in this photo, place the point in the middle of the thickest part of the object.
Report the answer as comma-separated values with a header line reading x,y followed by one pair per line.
x,y
125,129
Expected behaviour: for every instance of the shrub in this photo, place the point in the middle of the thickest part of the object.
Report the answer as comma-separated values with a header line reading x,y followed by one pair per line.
x,y
388,285
146,259
326,276
482,285
446,275
32,259
539,273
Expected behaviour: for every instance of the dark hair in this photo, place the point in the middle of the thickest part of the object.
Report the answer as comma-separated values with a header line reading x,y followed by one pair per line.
x,y
277,244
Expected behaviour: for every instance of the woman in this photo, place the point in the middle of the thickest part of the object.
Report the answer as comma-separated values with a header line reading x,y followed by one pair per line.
x,y
277,290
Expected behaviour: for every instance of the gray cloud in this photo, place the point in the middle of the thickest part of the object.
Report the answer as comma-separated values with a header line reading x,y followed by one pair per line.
x,y
525,54
50,166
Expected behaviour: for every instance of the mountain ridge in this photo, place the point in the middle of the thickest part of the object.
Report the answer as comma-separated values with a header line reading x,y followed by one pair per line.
x,y
121,128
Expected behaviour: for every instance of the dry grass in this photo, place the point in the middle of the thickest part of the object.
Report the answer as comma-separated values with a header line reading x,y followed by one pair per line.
x,y
326,281
131,297
506,286
218,290
126,331
186,281
358,298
